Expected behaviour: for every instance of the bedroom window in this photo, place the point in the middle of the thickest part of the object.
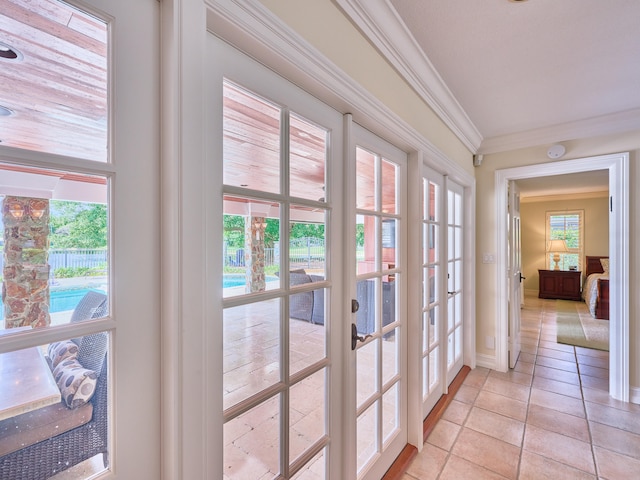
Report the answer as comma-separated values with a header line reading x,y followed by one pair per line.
x,y
567,226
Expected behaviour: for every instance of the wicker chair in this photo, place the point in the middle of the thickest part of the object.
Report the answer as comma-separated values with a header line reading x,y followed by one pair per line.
x,y
46,458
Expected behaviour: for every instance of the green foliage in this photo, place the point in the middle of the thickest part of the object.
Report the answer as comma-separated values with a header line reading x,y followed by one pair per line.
x,y
360,234
71,272
78,225
233,231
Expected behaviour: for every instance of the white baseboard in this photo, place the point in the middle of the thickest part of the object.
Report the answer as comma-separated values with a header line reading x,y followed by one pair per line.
x,y
530,292
486,361
634,394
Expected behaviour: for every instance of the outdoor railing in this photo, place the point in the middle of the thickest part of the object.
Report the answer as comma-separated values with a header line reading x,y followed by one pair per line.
x,y
72,258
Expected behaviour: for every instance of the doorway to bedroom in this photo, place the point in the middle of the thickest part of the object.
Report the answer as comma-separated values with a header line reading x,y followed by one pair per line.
x,y
618,247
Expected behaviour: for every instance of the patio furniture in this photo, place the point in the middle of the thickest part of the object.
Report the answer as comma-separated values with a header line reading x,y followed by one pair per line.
x,y
46,441
309,306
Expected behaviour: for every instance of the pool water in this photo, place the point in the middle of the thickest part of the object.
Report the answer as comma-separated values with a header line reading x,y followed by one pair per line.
x,y
62,300
229,281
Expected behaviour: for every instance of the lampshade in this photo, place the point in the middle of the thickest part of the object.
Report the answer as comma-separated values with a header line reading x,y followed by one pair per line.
x,y
557,246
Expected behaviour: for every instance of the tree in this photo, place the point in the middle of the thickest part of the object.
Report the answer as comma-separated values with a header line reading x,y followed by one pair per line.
x,y
78,224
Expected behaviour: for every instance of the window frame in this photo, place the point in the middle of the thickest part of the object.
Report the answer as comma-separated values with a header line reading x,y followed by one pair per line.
x,y
549,263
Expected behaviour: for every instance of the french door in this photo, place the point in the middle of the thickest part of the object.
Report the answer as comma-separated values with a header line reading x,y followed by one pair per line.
x,y
378,413
280,288
433,340
455,279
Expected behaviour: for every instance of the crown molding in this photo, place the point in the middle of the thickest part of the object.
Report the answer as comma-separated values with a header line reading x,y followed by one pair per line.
x,y
592,127
253,28
380,23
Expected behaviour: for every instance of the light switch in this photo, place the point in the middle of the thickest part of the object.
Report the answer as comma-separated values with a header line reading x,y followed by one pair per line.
x,y
488,258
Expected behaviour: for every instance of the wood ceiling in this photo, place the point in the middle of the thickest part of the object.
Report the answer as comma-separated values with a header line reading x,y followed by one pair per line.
x,y
56,86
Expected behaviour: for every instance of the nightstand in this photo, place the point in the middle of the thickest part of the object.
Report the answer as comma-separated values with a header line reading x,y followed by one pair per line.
x,y
562,284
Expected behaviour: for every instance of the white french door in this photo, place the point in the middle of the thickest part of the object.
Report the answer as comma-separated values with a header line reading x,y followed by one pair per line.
x,y
433,304
280,290
455,279
86,145
377,374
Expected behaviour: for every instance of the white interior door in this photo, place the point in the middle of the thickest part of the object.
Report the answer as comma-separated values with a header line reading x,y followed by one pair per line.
x,y
378,347
455,277
515,273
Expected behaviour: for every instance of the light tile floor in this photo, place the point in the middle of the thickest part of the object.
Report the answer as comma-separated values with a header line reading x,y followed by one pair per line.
x,y
550,417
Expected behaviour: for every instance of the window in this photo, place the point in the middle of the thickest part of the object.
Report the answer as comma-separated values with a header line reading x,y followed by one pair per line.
x,y
55,310
568,228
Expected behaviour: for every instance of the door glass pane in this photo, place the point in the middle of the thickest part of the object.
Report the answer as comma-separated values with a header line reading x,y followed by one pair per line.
x,y
367,253
390,412
390,253
308,150
251,129
252,443
390,355
431,200
367,383
251,349
365,180
307,413
64,384
52,251
430,246
367,435
251,256
307,241
434,368
315,469
389,182
451,313
434,326
307,331
60,107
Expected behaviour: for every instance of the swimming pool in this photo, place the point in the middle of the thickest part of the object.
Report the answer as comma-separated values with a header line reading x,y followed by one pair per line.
x,y
62,300
239,280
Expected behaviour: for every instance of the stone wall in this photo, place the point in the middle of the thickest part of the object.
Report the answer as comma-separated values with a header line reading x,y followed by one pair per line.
x,y
25,289
254,254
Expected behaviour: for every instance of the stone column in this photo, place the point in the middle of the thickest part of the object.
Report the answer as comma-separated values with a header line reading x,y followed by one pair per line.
x,y
254,253
25,289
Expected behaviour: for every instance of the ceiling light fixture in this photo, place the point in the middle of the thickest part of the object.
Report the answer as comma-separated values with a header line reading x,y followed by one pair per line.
x,y
9,53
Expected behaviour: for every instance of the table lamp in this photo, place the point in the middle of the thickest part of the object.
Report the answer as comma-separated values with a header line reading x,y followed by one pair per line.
x,y
557,247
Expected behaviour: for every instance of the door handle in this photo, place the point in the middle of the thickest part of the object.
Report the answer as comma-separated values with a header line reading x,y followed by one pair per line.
x,y
355,337
522,278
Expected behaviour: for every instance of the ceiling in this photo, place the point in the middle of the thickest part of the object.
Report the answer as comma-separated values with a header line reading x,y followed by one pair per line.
x,y
506,75
503,75
53,72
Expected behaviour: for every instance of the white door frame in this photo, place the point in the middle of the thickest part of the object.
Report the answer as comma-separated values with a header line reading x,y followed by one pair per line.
x,y
618,166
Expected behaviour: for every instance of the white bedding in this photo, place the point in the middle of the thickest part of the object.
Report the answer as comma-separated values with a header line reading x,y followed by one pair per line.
x,y
590,291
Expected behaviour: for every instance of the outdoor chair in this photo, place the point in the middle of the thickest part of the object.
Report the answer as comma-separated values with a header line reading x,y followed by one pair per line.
x,y
44,458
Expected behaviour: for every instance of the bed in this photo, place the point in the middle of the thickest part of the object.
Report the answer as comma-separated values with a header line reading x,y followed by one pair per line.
x,y
596,287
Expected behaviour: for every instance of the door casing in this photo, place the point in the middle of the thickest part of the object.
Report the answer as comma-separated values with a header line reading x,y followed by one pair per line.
x,y
617,165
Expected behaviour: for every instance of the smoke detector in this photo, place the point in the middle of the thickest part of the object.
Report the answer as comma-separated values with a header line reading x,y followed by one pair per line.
x,y
556,151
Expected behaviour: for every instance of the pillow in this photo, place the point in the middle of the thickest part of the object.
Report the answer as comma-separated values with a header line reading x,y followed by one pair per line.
x,y
60,351
605,264
76,383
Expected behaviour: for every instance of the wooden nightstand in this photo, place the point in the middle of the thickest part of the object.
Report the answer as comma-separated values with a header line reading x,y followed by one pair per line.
x,y
560,284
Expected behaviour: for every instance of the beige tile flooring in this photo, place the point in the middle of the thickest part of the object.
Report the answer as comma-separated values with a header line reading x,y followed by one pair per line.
x,y
549,418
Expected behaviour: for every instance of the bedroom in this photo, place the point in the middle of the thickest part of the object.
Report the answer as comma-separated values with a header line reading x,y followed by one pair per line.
x,y
536,210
